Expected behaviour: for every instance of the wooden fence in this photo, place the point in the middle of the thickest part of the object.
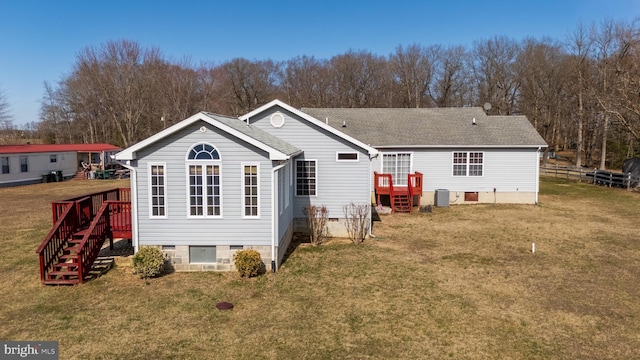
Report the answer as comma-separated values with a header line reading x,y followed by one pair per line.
x,y
593,176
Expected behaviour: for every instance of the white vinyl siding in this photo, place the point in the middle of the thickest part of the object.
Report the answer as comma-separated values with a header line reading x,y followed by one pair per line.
x,y
158,187
180,228
468,163
306,178
398,165
250,190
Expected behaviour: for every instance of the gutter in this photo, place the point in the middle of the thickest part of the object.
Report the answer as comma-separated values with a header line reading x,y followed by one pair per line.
x,y
274,215
538,173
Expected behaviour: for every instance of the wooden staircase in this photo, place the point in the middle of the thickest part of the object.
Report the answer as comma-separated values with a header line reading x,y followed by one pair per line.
x,y
67,270
80,175
400,197
402,201
80,228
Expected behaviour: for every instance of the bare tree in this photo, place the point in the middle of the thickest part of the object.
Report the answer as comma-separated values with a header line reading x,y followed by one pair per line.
x,y
359,80
251,84
451,78
495,74
307,82
6,120
412,69
579,46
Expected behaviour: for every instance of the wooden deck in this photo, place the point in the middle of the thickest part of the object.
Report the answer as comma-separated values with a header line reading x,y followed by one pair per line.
x,y
401,198
80,227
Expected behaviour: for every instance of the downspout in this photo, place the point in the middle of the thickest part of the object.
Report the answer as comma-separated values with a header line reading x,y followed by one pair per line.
x,y
370,191
538,172
134,206
274,215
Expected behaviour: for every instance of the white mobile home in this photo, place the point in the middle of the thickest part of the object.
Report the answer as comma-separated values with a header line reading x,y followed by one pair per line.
x,y
34,163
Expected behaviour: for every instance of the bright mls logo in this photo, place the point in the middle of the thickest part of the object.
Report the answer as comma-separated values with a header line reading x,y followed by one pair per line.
x,y
42,350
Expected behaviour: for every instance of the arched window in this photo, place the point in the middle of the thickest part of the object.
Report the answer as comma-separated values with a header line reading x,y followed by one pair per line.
x,y
203,152
203,173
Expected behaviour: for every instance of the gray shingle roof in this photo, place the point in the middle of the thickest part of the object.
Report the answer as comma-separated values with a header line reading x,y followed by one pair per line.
x,y
432,127
255,133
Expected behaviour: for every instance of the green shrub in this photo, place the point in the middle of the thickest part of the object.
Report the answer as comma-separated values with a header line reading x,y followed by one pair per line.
x,y
248,262
148,262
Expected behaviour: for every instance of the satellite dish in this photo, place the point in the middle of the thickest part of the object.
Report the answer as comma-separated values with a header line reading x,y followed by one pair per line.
x,y
486,106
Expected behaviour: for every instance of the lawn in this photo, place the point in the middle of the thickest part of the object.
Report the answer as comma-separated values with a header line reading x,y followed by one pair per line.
x,y
460,282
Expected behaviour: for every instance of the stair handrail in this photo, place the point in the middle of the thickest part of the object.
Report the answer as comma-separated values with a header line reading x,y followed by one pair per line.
x,y
93,240
415,183
58,237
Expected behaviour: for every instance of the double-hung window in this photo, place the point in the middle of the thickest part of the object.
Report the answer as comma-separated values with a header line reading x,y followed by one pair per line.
x,y
250,190
398,165
468,163
158,187
5,164
203,172
306,177
24,164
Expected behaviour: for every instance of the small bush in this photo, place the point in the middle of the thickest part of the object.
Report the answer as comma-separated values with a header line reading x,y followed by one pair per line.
x,y
317,217
148,262
248,262
357,221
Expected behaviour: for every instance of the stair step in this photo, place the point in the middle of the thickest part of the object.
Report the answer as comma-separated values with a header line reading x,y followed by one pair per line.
x,y
60,281
68,256
65,264
63,273
71,250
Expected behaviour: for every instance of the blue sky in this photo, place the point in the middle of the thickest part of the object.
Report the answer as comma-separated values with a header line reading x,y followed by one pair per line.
x,y
39,40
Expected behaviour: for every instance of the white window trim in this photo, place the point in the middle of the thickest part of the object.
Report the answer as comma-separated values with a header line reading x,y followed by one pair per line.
x,y
26,158
295,170
410,153
215,162
242,198
8,165
357,159
166,194
467,164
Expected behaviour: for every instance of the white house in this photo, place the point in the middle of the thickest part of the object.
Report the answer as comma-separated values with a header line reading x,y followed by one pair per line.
x,y
461,152
211,185
34,163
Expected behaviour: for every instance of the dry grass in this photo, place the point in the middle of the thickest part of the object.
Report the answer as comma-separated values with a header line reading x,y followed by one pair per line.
x,y
460,282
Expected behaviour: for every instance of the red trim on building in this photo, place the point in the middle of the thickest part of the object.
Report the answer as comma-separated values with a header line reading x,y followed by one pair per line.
x,y
46,148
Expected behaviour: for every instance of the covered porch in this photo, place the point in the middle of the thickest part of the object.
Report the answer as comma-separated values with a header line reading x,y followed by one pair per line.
x,y
402,198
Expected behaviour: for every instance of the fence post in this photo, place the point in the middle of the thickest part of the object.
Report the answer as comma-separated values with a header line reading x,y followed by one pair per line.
x,y
628,181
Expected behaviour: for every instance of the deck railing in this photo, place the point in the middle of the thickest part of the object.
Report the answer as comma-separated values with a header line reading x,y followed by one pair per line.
x,y
92,241
58,238
415,182
102,214
96,200
383,184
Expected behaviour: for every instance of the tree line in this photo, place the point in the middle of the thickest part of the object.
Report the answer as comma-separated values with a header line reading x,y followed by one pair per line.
x,y
581,93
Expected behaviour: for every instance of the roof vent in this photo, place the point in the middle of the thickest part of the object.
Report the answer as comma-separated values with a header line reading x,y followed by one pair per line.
x,y
344,123
473,122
